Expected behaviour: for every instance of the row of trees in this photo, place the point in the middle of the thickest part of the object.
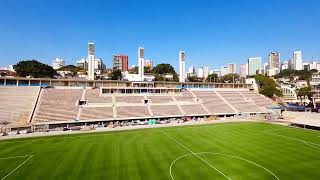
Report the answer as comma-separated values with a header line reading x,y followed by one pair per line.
x,y
301,74
39,70
158,72
228,78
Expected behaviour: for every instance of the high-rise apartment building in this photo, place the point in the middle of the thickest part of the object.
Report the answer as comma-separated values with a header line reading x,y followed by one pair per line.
x,y
243,70
254,65
232,68
285,65
205,71
58,63
148,63
200,73
120,62
297,60
192,70
274,60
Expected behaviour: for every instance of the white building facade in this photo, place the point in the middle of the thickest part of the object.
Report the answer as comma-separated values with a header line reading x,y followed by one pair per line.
x,y
58,63
243,70
254,65
297,60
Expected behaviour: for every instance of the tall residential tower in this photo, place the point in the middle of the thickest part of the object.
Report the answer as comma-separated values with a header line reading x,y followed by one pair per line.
x,y
297,60
254,65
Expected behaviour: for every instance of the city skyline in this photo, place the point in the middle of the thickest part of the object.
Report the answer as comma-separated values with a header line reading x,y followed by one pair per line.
x,y
33,32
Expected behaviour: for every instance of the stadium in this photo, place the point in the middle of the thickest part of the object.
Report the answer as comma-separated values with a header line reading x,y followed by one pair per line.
x,y
81,129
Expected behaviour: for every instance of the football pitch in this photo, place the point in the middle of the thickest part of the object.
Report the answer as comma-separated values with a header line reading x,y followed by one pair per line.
x,y
216,151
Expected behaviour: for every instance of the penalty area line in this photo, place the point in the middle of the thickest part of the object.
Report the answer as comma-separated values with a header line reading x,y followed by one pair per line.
x,y
310,144
17,167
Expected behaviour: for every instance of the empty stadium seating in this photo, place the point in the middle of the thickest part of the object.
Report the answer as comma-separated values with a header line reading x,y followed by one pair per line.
x,y
129,99
165,110
239,102
258,99
185,96
58,105
160,99
17,104
214,103
193,109
61,105
132,111
93,96
88,113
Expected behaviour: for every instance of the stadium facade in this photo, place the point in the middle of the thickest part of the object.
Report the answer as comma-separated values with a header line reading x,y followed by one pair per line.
x,y
55,103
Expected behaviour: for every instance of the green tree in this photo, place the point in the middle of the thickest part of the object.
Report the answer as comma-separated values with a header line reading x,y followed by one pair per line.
x,y
34,68
73,69
135,70
268,86
163,69
212,78
116,75
301,74
194,79
304,92
231,78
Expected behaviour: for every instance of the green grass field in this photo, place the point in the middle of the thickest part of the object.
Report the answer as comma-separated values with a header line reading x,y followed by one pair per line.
x,y
218,151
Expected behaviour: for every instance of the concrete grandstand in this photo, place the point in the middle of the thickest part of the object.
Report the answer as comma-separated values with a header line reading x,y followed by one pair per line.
x,y
59,106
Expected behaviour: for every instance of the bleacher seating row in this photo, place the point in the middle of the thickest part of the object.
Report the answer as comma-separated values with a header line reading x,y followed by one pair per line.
x,y
61,105
17,104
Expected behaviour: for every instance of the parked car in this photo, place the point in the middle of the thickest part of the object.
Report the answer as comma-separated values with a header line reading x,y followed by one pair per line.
x,y
295,107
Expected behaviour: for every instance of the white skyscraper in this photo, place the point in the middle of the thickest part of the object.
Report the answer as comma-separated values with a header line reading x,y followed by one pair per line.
x,y
274,60
192,70
91,63
205,72
254,65
243,70
200,73
265,68
182,66
58,63
141,62
232,68
224,70
285,65
297,60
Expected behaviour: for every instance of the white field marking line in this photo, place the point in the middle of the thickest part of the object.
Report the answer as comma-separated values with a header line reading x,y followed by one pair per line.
x,y
195,155
16,168
278,129
291,127
311,144
13,157
232,156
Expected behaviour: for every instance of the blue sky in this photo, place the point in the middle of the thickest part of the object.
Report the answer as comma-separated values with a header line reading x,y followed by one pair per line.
x,y
212,32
